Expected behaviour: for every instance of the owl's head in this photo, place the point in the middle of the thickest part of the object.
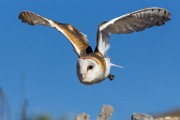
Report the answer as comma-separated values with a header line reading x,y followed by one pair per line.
x,y
89,71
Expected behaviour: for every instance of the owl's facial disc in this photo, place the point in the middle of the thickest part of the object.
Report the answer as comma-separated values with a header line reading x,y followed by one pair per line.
x,y
89,71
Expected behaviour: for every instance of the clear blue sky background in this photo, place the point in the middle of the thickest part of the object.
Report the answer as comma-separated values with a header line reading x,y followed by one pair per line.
x,y
150,82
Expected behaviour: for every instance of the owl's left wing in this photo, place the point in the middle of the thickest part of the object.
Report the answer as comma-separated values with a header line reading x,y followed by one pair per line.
x,y
128,23
76,38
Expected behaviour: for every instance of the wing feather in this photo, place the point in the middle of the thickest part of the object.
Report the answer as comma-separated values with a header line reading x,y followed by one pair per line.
x,y
128,23
76,38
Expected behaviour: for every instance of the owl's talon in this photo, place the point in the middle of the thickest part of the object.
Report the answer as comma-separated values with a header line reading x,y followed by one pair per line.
x,y
111,77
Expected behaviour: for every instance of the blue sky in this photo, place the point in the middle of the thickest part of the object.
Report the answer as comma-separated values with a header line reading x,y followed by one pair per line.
x,y
148,84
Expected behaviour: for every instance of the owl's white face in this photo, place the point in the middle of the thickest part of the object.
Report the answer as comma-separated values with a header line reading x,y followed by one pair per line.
x,y
89,71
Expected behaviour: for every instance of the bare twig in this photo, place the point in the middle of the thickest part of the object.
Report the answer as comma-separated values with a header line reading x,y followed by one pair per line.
x,y
24,101
24,110
4,105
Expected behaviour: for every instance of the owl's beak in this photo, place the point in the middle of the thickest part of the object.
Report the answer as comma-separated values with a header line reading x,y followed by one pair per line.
x,y
83,76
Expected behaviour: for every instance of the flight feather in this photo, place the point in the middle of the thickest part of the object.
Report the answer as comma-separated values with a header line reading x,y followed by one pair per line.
x,y
128,23
77,39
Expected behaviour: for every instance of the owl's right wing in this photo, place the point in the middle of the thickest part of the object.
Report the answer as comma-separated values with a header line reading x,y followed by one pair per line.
x,y
128,23
77,39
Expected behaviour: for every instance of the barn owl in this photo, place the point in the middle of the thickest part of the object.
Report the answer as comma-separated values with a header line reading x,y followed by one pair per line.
x,y
93,66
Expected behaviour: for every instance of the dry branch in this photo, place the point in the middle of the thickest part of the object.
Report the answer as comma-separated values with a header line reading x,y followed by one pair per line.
x,y
137,116
82,116
105,113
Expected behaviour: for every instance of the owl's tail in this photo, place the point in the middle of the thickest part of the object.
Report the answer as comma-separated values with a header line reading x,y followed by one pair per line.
x,y
118,66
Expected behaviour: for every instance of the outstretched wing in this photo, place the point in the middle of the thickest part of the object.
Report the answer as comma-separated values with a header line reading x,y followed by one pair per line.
x,y
77,39
128,23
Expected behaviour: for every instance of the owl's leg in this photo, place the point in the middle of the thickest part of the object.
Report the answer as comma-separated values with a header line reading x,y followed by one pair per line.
x,y
111,77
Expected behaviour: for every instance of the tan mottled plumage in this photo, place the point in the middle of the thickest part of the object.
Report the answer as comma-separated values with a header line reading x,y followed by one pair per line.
x,y
77,38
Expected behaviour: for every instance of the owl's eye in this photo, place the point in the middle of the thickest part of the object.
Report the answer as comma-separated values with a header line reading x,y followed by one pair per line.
x,y
90,67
